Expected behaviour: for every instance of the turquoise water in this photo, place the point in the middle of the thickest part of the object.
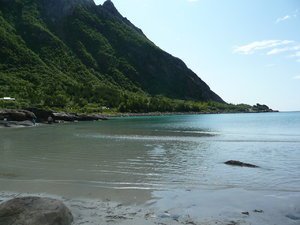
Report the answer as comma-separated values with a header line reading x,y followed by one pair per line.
x,y
155,159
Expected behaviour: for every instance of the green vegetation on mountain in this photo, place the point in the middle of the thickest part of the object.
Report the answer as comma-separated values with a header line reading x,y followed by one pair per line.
x,y
74,55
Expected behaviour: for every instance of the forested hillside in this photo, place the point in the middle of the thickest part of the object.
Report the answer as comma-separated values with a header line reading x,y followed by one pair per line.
x,y
74,54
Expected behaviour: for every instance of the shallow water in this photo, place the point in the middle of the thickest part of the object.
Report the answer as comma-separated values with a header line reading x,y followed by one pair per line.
x,y
168,162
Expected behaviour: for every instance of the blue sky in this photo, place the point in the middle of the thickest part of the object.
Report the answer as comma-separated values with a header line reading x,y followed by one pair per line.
x,y
247,51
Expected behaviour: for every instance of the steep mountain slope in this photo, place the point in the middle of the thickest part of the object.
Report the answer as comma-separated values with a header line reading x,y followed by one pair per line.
x,y
57,52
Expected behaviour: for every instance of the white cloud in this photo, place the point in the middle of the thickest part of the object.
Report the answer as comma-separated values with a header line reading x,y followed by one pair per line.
x,y
259,45
276,51
280,19
296,54
270,47
283,18
279,50
296,77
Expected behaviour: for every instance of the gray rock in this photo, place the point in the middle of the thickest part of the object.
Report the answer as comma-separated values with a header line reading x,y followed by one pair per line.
x,y
74,116
34,211
41,114
16,115
89,117
65,116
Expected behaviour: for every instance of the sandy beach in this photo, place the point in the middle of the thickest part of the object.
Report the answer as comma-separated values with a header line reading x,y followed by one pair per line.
x,y
207,207
95,212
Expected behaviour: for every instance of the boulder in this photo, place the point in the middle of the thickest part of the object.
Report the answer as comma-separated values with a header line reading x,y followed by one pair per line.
x,y
65,116
238,163
41,114
16,115
89,117
34,211
77,116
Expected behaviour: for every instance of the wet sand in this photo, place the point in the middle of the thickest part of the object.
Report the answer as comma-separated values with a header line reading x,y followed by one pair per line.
x,y
95,212
208,207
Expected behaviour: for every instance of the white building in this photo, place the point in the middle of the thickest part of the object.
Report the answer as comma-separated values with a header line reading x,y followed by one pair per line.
x,y
8,99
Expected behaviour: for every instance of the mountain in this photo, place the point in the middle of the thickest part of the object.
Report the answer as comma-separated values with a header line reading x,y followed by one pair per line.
x,y
73,52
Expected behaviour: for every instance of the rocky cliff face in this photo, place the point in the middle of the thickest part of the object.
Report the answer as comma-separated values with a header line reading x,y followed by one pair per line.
x,y
60,8
109,6
55,53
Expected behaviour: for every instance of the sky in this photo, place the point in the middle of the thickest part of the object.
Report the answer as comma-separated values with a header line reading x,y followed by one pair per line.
x,y
247,51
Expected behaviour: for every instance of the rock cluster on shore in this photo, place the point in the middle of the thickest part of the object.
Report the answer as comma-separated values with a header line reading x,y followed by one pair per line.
x,y
43,115
29,116
16,115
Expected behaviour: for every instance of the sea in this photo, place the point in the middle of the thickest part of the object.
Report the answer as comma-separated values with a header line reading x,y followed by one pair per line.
x,y
174,164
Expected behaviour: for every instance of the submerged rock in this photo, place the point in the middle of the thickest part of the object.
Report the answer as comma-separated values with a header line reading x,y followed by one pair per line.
x,y
258,211
34,211
238,163
293,217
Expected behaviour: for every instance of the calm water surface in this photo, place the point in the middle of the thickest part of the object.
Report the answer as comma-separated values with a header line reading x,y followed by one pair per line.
x,y
160,160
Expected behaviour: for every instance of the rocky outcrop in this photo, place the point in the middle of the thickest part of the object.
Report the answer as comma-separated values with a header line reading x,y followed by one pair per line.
x,y
16,115
59,8
34,211
238,163
89,117
76,116
110,7
70,117
41,114
12,117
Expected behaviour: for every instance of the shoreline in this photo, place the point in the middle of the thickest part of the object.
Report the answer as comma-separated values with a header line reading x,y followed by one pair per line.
x,y
96,211
63,117
232,206
178,113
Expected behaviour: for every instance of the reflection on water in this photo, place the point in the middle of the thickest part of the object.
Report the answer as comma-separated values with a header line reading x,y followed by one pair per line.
x,y
153,153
